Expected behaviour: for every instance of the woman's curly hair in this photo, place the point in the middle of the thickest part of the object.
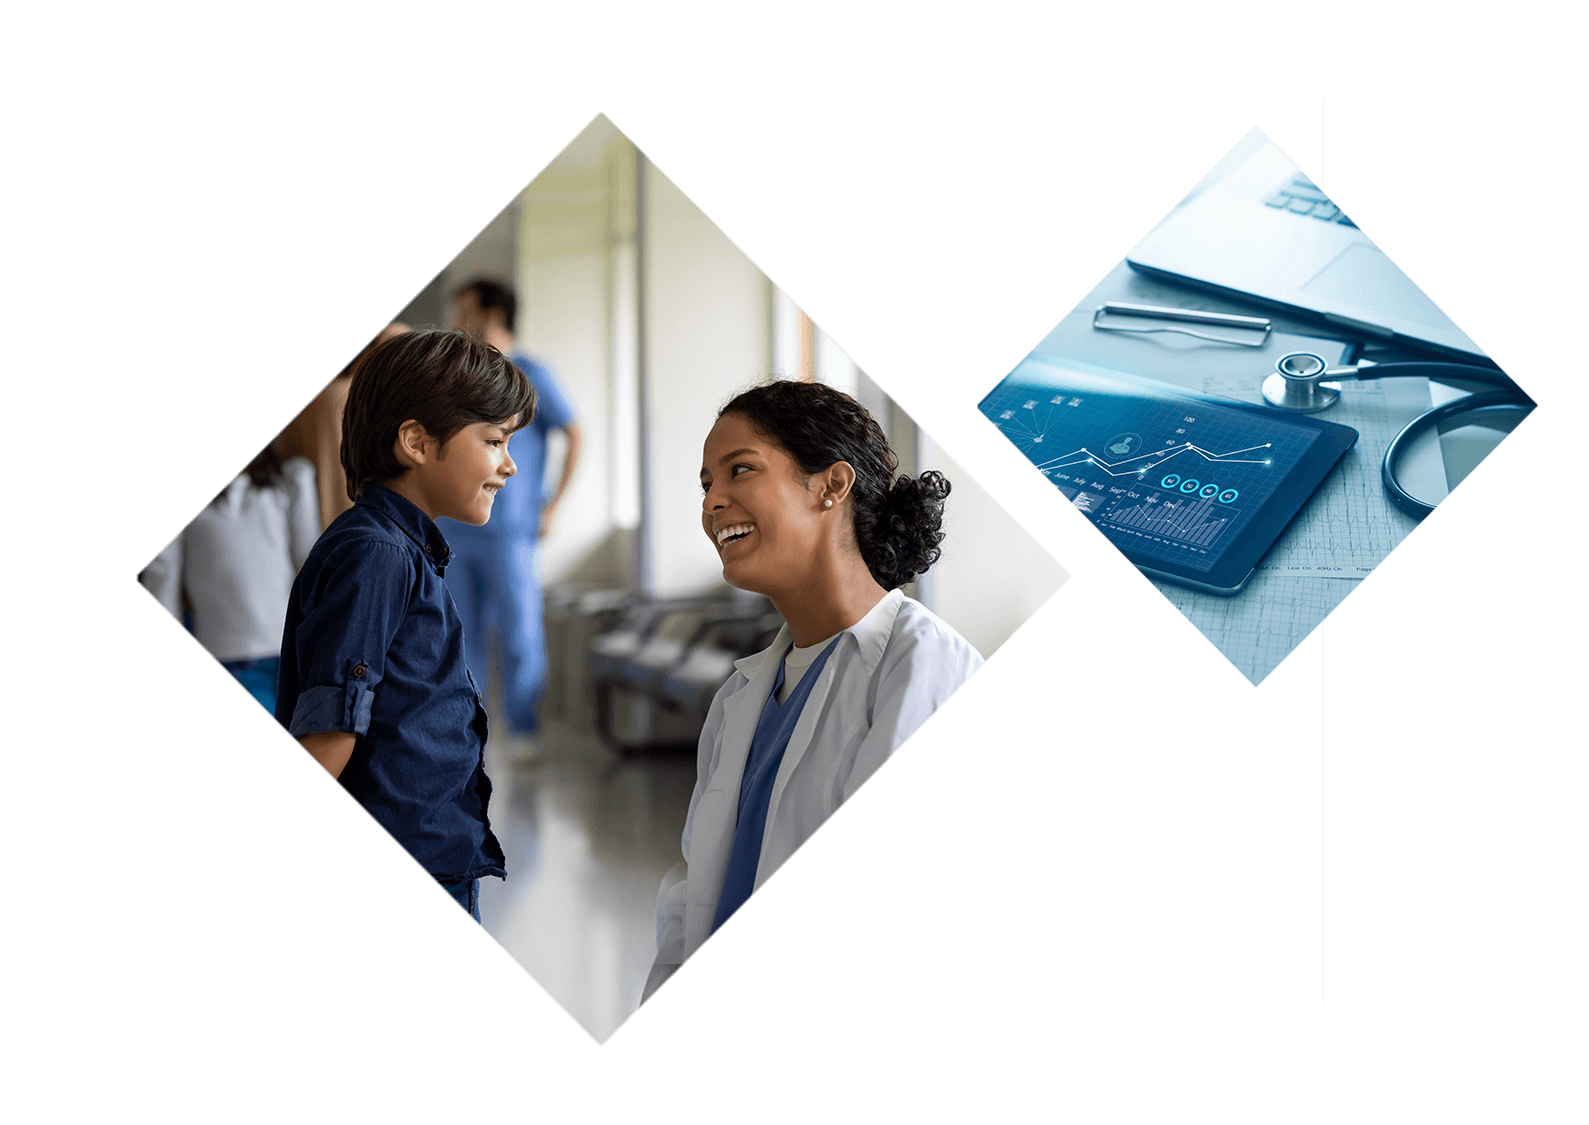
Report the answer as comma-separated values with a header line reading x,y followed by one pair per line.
x,y
898,521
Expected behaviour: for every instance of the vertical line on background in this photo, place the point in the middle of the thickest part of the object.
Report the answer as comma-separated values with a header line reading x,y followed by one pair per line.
x,y
645,562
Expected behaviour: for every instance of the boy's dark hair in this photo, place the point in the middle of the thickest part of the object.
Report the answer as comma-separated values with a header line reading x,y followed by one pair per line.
x,y
898,522
441,378
493,295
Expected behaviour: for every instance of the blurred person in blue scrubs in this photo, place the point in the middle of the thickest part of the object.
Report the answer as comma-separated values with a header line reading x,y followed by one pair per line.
x,y
494,576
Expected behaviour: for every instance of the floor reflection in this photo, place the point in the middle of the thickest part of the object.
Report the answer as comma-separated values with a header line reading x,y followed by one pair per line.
x,y
588,837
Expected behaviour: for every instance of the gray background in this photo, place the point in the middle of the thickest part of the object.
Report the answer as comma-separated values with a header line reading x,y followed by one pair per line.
x,y
1095,887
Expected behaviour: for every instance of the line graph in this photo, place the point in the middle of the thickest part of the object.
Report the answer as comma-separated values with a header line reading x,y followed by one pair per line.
x,y
1164,475
1147,461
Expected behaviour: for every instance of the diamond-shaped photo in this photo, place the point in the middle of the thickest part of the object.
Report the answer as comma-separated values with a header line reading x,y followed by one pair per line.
x,y
601,578
1256,406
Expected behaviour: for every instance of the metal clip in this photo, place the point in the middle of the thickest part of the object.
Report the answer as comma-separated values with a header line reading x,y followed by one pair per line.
x,y
1227,320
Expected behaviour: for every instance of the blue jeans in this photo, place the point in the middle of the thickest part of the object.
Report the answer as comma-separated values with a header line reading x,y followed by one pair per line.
x,y
258,676
495,577
467,894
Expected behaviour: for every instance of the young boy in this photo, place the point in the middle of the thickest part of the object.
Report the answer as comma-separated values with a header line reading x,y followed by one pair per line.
x,y
373,680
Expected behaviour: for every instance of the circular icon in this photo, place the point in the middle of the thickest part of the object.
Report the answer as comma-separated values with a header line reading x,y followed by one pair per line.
x,y
1190,486
1170,481
1208,491
1123,445
1228,496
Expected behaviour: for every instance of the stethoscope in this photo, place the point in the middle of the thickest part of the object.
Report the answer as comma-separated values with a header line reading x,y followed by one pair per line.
x,y
1302,383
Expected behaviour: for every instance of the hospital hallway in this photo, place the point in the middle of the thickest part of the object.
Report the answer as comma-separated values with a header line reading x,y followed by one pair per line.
x,y
588,835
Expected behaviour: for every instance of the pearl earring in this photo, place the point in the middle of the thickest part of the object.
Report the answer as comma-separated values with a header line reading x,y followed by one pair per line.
x,y
827,503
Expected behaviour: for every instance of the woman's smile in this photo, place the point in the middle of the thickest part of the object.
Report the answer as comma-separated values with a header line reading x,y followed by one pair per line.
x,y
757,508
733,533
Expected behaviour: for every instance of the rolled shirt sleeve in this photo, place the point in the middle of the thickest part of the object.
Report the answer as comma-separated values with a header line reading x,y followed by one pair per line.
x,y
351,606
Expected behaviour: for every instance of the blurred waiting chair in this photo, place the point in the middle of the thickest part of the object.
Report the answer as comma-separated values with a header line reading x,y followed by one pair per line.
x,y
653,677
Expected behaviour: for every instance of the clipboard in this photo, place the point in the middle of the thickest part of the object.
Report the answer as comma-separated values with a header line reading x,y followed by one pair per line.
x,y
1171,355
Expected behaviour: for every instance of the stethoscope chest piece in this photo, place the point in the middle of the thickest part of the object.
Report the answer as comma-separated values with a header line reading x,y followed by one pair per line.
x,y
1297,384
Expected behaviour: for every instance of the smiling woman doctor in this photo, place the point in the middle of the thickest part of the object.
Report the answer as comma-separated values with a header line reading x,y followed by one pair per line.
x,y
802,506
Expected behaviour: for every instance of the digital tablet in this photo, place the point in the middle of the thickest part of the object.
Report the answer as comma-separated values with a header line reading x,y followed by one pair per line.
x,y
1194,489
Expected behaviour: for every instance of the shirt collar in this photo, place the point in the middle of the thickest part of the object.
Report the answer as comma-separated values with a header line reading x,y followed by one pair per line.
x,y
410,521
871,634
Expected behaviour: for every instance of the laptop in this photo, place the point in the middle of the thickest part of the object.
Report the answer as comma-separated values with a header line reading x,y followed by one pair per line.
x,y
1257,229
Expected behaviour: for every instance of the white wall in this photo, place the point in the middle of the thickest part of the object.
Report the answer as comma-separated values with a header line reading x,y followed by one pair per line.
x,y
714,325
567,330
785,335
708,334
993,575
834,367
565,320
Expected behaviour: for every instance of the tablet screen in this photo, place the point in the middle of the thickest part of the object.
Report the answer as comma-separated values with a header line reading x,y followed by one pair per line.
x,y
1166,475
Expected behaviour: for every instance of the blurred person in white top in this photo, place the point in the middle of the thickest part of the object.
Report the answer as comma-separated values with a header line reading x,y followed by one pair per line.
x,y
231,570
802,505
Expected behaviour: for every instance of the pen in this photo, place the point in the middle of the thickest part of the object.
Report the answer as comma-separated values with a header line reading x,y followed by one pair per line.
x,y
1227,319
1224,320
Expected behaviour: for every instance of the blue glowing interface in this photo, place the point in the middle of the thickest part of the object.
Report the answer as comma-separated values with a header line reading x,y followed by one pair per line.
x,y
1170,477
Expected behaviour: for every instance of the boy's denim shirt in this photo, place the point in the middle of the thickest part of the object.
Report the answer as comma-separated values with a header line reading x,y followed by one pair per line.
x,y
374,645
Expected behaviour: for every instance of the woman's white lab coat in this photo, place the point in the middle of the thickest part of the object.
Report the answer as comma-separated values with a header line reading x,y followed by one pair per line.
x,y
889,671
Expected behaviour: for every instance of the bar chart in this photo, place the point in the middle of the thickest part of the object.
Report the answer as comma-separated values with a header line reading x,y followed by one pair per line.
x,y
1195,522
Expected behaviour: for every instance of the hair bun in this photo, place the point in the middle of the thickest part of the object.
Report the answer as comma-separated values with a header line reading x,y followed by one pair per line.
x,y
908,537
898,525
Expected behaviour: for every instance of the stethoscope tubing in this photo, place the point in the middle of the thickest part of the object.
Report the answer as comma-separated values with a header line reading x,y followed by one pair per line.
x,y
1468,404
1505,395
1436,370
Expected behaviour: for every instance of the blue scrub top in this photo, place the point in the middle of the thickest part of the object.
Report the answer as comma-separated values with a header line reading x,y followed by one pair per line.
x,y
773,731
517,508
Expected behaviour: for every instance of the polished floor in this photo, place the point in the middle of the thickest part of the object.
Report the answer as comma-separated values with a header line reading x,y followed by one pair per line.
x,y
589,835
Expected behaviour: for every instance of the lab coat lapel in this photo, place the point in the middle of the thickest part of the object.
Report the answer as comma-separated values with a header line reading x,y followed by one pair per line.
x,y
869,636
712,834
742,712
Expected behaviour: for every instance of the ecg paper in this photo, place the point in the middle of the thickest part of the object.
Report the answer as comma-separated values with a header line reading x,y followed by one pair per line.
x,y
1259,627
1343,533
